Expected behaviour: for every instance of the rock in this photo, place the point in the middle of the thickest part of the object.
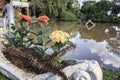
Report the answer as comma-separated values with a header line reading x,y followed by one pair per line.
x,y
86,69
80,75
82,70
68,62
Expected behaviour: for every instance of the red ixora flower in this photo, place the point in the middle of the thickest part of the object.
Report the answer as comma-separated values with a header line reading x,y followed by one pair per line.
x,y
44,19
25,18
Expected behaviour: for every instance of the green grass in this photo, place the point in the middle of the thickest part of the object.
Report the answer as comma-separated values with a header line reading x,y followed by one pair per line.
x,y
107,75
2,77
110,75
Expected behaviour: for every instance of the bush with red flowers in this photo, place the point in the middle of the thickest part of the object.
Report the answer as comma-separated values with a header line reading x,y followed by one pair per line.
x,y
23,49
43,19
25,18
22,39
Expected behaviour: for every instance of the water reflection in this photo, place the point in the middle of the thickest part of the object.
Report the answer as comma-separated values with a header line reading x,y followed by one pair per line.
x,y
90,49
93,44
115,41
96,44
98,33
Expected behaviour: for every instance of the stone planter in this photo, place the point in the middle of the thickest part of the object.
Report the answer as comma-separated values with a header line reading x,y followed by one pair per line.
x,y
81,70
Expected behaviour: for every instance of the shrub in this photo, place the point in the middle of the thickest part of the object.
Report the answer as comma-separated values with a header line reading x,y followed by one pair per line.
x,y
69,16
20,43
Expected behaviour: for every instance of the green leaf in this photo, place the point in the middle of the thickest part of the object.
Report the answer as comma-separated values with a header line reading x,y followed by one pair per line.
x,y
38,49
16,41
12,40
40,33
27,31
68,42
31,39
55,48
45,35
13,26
23,35
18,34
61,54
45,49
46,29
30,42
42,25
33,32
25,24
47,42
20,30
40,41
23,28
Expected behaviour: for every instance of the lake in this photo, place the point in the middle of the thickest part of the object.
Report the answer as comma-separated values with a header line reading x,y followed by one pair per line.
x,y
101,43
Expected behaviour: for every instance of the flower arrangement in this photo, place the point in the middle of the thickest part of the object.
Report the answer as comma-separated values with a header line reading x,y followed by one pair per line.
x,y
59,36
24,47
43,19
25,18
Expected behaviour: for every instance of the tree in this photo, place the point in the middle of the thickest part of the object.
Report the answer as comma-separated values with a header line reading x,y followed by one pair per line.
x,y
97,11
54,8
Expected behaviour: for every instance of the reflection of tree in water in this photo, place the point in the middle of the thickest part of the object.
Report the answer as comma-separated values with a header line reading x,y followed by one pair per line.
x,y
65,26
98,32
115,41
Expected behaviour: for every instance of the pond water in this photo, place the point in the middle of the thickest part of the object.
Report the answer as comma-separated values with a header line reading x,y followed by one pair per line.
x,y
102,43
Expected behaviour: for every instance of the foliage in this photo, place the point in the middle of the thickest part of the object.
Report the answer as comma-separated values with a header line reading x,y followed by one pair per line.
x,y
21,45
55,8
68,16
2,77
21,38
110,75
98,11
64,10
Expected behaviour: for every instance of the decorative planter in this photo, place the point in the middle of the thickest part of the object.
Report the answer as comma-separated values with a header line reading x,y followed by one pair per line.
x,y
81,70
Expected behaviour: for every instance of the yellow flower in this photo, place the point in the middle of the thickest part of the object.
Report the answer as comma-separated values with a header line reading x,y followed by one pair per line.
x,y
59,36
